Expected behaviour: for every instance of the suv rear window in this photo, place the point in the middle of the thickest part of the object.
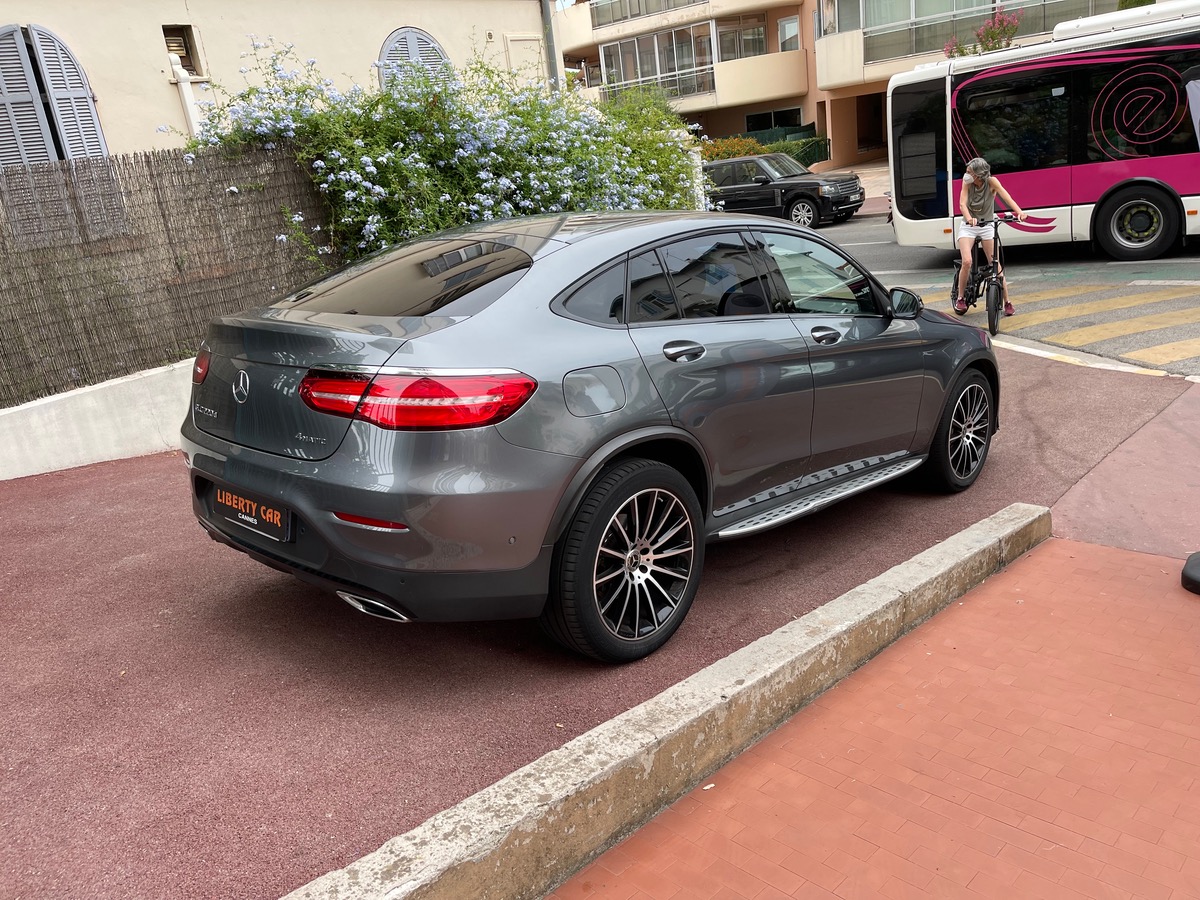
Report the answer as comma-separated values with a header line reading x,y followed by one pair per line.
x,y
447,277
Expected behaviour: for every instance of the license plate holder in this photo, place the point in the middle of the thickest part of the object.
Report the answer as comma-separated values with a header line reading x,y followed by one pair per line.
x,y
253,512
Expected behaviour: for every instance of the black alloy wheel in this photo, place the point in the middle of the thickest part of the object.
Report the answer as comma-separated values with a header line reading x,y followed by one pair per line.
x,y
628,567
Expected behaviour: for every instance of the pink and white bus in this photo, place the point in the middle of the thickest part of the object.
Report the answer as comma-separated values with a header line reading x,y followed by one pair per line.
x,y
1095,133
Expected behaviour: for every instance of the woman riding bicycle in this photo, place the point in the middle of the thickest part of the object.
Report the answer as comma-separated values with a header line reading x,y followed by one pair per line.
x,y
977,202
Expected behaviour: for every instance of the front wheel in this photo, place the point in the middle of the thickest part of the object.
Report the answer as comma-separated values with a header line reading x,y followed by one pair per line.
x,y
628,567
1137,222
964,434
993,295
804,212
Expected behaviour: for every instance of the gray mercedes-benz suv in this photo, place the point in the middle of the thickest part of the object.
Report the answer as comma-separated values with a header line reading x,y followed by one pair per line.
x,y
550,417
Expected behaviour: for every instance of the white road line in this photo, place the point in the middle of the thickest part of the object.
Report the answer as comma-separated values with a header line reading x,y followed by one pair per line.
x,y
1165,283
1093,362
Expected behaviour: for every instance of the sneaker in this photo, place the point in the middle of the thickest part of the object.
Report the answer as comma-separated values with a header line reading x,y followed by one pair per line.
x,y
960,305
1008,308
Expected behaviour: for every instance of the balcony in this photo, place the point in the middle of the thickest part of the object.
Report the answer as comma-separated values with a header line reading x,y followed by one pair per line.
x,y
873,54
755,79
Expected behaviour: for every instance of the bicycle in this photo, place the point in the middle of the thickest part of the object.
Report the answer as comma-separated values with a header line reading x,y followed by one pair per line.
x,y
987,279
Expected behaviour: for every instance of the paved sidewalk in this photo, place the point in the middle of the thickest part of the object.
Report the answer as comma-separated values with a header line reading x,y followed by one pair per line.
x,y
1039,738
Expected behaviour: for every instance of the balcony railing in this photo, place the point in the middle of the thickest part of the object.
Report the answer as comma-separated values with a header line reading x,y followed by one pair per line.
x,y
607,12
678,84
930,35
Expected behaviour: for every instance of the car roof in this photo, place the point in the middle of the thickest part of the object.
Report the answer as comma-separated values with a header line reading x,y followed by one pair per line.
x,y
576,227
733,159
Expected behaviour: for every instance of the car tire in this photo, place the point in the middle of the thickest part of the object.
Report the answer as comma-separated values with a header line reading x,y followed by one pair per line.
x,y
636,536
964,434
1137,223
802,211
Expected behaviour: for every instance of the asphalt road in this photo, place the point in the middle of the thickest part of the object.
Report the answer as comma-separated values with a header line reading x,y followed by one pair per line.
x,y
181,722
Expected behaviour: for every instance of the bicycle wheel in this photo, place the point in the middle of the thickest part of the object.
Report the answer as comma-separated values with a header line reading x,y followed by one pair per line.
x,y
993,296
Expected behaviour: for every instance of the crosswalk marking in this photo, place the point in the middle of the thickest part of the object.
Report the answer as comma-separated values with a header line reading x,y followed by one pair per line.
x,y
1076,310
1167,353
1095,333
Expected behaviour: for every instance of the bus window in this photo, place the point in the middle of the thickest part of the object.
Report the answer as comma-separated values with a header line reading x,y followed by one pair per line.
x,y
918,116
1139,110
1022,125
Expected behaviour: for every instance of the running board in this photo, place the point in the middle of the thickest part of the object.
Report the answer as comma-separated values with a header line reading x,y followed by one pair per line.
x,y
812,502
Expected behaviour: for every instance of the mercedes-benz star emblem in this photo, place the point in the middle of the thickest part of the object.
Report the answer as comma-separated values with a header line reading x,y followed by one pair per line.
x,y
241,387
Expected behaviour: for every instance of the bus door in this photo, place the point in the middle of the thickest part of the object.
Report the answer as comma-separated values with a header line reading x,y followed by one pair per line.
x,y
1021,124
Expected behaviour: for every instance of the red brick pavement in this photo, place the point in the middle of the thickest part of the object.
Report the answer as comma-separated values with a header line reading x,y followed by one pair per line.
x,y
1038,739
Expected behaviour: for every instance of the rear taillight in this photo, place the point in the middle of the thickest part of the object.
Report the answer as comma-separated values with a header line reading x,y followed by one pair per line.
x,y
333,393
200,368
419,402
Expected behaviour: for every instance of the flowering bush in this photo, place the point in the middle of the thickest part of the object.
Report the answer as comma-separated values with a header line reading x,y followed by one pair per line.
x,y
995,33
430,151
729,147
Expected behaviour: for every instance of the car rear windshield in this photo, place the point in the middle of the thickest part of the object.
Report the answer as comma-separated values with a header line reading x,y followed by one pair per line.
x,y
447,277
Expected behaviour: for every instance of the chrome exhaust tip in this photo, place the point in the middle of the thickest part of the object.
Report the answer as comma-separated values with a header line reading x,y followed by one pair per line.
x,y
373,607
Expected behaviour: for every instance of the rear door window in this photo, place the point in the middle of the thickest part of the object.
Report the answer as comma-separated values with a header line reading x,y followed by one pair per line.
x,y
713,276
650,297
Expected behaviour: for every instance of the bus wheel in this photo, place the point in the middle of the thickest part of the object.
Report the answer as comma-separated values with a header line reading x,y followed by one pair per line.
x,y
1137,222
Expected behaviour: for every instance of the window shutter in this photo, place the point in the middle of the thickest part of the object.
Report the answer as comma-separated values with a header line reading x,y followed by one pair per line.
x,y
24,133
70,96
414,46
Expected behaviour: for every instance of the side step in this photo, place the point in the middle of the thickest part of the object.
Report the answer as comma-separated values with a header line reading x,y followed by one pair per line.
x,y
802,506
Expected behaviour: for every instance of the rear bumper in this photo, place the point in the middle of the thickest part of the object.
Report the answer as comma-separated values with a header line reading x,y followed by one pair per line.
x,y
472,541
417,596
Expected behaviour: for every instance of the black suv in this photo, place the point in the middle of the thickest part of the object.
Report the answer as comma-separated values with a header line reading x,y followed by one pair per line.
x,y
774,184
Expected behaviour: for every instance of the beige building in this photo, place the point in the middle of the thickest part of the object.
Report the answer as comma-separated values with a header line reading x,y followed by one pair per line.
x,y
85,78
737,66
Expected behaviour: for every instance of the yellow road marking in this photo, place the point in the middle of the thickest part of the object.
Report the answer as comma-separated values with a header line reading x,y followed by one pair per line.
x,y
1096,333
1167,353
1076,310
1041,296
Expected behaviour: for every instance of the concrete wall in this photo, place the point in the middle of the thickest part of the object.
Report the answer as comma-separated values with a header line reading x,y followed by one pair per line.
x,y
125,417
122,50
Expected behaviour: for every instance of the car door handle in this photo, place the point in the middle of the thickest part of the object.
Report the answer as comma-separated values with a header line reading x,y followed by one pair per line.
x,y
688,351
825,335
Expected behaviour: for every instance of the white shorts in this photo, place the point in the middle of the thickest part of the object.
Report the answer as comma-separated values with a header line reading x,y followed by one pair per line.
x,y
987,232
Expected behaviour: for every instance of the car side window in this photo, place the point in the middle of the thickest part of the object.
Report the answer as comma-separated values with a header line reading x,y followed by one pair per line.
x,y
722,175
817,279
746,172
713,275
650,297
600,299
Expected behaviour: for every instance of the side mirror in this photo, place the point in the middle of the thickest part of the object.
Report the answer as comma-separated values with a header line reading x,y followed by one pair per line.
x,y
762,179
905,304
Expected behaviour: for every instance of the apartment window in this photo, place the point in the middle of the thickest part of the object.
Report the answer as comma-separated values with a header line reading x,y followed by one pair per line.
x,y
411,45
47,110
789,33
606,12
680,61
779,118
742,36
182,42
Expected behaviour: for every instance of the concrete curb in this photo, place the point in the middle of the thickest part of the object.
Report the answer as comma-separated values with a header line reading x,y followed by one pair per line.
x,y
528,832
